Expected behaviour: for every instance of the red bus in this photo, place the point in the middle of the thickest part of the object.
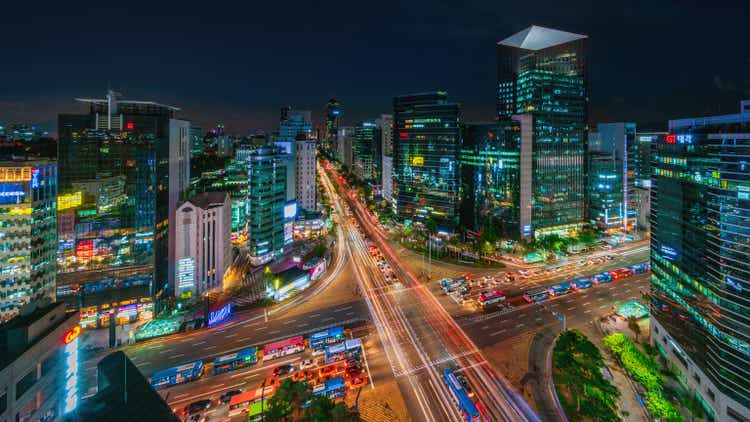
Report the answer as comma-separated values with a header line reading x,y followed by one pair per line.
x,y
621,273
283,348
241,402
488,298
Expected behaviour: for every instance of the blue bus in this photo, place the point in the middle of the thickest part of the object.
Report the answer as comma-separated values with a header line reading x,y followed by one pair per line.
x,y
232,361
641,268
560,289
326,338
581,283
467,407
602,278
332,388
537,295
179,374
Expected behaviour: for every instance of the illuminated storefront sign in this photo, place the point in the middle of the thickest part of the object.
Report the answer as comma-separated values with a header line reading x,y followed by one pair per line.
x,y
290,210
11,193
71,369
417,161
220,315
679,139
185,274
15,174
69,200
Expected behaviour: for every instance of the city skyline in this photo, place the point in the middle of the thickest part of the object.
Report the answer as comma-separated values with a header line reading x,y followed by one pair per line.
x,y
215,75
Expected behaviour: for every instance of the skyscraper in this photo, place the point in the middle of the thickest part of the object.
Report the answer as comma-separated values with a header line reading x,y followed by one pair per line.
x,y
644,144
365,151
611,168
543,72
129,161
305,170
333,113
296,139
345,146
28,233
425,150
700,232
385,128
266,199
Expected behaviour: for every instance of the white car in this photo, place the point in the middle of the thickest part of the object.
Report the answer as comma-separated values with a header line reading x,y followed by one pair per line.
x,y
306,364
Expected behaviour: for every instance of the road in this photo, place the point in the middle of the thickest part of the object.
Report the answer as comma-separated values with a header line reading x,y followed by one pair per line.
x,y
420,338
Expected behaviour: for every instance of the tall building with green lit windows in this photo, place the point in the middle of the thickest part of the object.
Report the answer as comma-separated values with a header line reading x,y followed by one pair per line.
x,y
543,72
490,176
366,151
425,157
700,256
266,201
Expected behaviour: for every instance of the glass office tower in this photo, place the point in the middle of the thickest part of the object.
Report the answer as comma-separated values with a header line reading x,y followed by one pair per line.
x,y
490,176
127,165
700,256
28,234
366,150
543,72
266,198
425,151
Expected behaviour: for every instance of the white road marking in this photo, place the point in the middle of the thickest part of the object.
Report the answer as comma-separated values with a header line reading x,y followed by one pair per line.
x,y
210,347
231,335
275,332
498,332
164,351
199,343
571,308
177,355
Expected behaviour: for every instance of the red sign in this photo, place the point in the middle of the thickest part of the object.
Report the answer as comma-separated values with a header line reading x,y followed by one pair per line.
x,y
130,125
671,139
72,334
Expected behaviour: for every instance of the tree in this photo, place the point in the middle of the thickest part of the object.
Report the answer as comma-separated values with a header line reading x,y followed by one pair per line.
x,y
431,225
634,327
323,409
286,404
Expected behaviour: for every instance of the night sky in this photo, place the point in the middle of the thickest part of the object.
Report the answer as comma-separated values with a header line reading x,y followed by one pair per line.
x,y
238,63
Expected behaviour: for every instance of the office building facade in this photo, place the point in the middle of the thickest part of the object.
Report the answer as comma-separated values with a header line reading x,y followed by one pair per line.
x,y
306,155
385,127
39,364
204,230
490,176
425,157
700,232
28,233
345,147
332,111
129,162
266,200
543,72
644,144
365,151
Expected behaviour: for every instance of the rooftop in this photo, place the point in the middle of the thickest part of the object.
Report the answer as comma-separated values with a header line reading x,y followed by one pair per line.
x,y
207,200
539,37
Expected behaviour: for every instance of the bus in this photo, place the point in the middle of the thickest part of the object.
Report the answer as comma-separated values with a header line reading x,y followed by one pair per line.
x,y
283,348
347,350
256,409
537,295
243,402
581,283
488,298
560,289
467,407
232,361
179,374
620,273
450,287
641,268
326,338
332,388
602,278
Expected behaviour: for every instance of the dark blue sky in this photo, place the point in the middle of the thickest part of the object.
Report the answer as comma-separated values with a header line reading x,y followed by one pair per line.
x,y
238,63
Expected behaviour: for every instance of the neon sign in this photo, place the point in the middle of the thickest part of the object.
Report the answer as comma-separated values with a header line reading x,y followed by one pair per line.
x,y
70,385
72,334
679,139
220,315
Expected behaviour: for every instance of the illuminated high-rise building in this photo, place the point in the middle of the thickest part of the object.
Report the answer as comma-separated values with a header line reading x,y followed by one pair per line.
x,y
129,163
28,233
333,113
385,128
543,72
700,257
267,211
425,150
366,151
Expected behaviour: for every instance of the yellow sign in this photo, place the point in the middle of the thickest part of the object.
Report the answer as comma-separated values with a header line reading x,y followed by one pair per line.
x,y
15,174
417,161
69,200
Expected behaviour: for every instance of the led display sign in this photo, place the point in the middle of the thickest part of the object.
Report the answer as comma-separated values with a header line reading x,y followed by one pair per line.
x,y
70,383
220,315
69,200
290,210
679,139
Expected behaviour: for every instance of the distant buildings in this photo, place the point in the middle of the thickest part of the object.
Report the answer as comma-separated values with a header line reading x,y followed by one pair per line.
x,y
425,151
129,163
293,125
644,145
28,233
543,72
345,146
700,232
612,159
204,250
333,112
266,205
39,364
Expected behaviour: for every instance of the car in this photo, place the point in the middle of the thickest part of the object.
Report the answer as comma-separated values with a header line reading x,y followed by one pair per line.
x,y
327,370
227,397
353,371
283,370
307,363
197,407
198,417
